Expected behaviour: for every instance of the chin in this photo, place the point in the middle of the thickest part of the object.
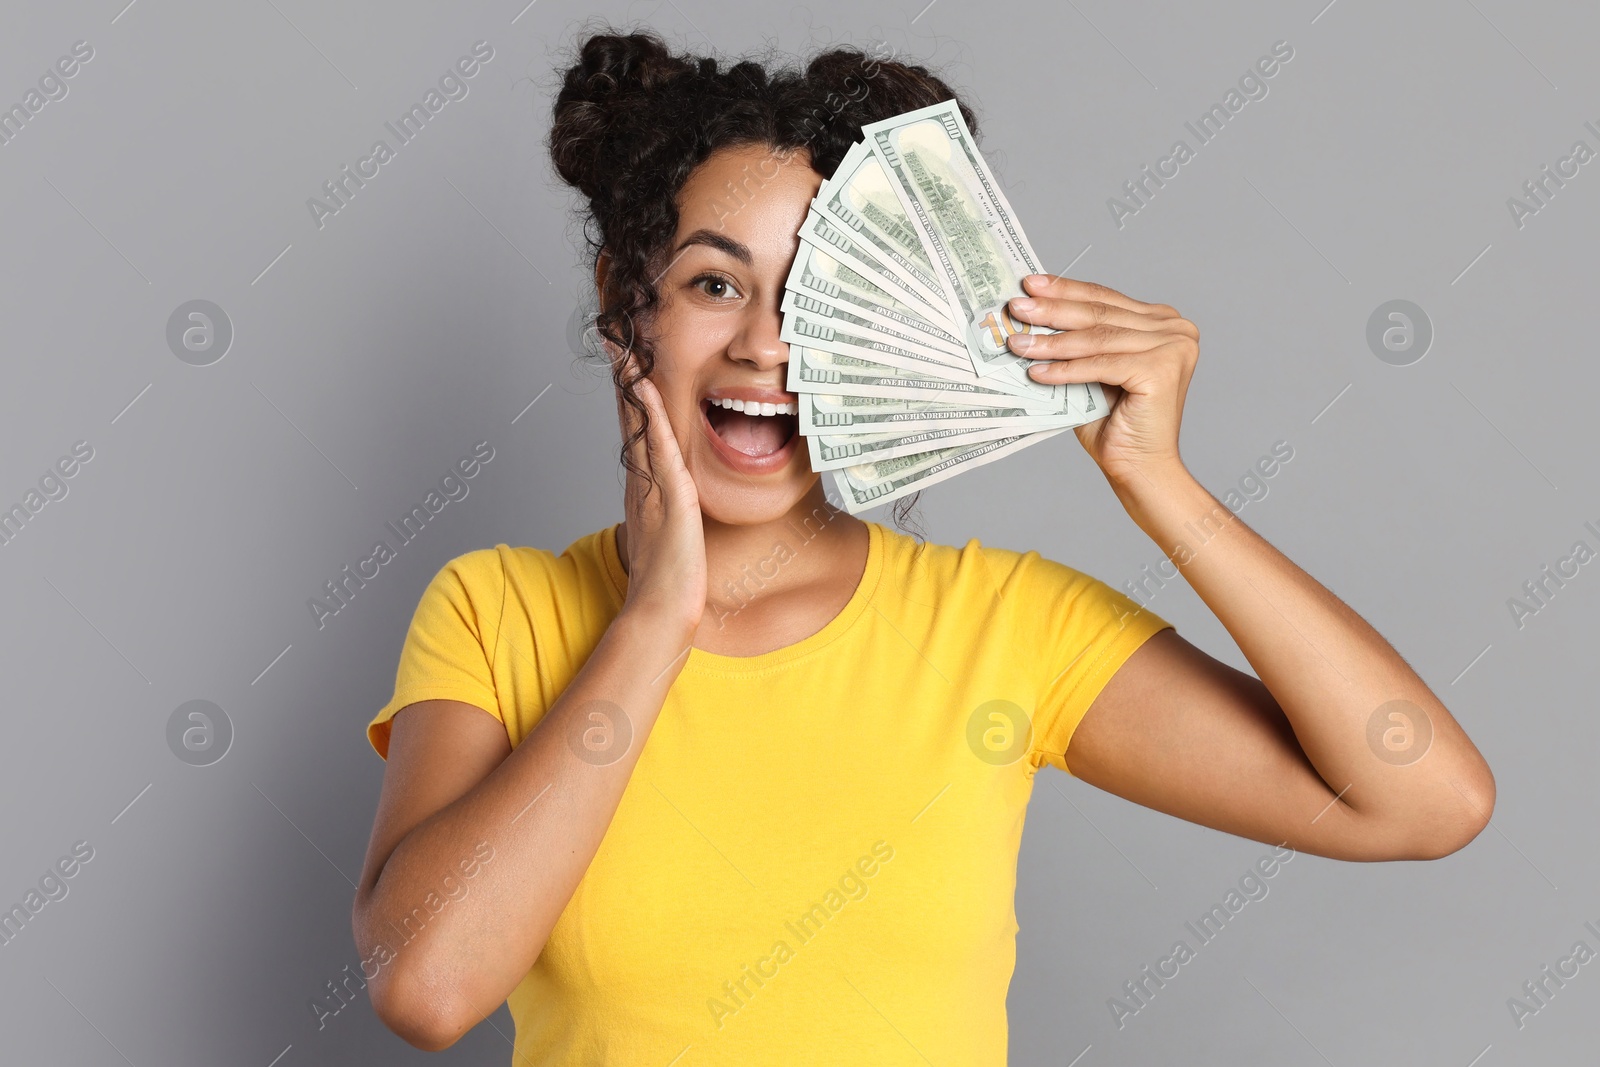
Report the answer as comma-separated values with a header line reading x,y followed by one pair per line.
x,y
727,501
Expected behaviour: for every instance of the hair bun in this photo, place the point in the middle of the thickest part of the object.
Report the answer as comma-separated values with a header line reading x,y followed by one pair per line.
x,y
608,86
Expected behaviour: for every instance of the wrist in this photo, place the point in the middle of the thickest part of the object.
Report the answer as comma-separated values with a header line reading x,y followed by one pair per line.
x,y
1156,489
655,626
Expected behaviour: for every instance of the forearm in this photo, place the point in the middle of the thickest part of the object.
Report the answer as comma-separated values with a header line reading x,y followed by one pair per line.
x,y
1329,671
544,810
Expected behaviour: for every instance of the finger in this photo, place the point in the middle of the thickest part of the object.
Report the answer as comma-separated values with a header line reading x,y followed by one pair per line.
x,y
1060,313
1091,341
1128,370
662,443
1060,287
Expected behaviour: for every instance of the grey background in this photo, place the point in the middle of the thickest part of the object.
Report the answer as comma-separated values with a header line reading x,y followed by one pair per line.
x,y
371,354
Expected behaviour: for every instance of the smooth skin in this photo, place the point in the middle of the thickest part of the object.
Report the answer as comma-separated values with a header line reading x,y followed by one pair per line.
x,y
1282,759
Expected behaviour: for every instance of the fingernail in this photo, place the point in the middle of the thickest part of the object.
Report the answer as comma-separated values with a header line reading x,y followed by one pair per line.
x,y
1022,303
1021,342
1037,281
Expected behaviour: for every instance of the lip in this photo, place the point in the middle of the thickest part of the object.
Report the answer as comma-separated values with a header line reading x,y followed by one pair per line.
x,y
732,456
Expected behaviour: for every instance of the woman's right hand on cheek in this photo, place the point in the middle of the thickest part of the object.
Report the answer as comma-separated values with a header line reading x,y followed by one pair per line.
x,y
666,542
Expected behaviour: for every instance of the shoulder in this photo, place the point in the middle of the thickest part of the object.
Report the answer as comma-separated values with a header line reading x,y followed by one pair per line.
x,y
1004,570
522,593
476,576
484,575
1027,589
477,569
587,570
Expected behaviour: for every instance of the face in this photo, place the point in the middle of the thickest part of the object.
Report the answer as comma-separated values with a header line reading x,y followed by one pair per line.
x,y
716,332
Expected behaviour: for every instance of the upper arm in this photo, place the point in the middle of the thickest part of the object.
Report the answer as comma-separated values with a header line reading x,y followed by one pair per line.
x,y
438,751
441,733
1176,730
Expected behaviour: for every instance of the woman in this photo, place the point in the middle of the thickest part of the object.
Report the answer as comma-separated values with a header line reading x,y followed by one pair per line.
x,y
742,778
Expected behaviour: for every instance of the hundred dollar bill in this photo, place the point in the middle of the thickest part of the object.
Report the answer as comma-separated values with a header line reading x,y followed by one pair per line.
x,y
822,277
848,450
822,232
860,199
814,370
905,337
827,413
972,238
803,328
844,316
870,484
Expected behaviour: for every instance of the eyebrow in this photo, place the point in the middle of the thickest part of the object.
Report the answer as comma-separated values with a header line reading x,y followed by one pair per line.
x,y
721,242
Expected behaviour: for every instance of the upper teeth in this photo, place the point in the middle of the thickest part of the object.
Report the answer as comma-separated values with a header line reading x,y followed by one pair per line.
x,y
753,407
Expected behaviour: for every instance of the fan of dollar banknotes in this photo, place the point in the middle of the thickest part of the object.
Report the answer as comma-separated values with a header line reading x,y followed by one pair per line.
x,y
895,317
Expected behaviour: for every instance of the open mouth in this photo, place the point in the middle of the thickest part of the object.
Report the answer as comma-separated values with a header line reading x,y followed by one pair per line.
x,y
751,428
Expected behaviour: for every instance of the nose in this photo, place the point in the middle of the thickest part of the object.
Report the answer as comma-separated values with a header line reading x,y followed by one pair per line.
x,y
756,343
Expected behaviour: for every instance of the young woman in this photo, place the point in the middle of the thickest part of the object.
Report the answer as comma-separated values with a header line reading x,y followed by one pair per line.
x,y
741,779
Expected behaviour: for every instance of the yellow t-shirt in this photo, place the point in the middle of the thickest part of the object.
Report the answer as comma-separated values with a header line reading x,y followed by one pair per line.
x,y
815,858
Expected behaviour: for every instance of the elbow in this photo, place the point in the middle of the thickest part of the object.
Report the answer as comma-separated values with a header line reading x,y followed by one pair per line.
x,y
1477,810
408,1000
416,1013
1465,814
1474,807
1441,843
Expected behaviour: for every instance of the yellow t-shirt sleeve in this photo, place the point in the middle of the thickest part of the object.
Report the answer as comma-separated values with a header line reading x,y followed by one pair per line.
x,y
1085,631
449,647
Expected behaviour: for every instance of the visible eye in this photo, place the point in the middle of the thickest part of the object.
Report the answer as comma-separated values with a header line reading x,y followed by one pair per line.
x,y
716,286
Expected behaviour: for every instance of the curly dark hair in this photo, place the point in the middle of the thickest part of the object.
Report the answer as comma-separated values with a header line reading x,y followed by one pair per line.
x,y
632,121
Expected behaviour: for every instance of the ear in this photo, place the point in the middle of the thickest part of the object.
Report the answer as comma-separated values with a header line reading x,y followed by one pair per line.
x,y
602,267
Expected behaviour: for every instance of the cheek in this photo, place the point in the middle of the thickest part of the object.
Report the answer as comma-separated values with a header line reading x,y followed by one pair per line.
x,y
678,381
688,335
685,347
684,416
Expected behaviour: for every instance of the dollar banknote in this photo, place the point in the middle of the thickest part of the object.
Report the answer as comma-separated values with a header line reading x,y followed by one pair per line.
x,y
845,367
812,309
850,450
860,200
816,370
867,485
895,314
821,232
972,239
821,277
843,414
847,335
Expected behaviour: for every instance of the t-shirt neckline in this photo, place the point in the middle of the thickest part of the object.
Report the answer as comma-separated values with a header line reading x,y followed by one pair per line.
x,y
703,662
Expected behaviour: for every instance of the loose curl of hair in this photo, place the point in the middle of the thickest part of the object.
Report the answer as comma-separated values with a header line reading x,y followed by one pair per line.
x,y
632,121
